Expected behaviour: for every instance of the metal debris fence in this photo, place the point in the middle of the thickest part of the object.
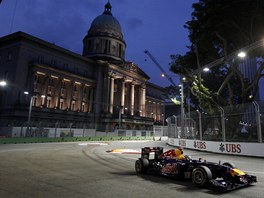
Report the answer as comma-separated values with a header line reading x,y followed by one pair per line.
x,y
243,123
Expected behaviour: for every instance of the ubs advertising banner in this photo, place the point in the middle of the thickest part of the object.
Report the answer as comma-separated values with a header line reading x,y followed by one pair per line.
x,y
235,148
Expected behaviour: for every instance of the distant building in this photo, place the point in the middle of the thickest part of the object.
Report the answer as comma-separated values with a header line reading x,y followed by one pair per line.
x,y
98,89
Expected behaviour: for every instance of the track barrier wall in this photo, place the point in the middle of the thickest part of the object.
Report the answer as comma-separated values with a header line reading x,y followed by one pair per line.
x,y
231,148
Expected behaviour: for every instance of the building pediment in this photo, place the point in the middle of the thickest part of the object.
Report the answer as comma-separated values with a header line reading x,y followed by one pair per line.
x,y
129,68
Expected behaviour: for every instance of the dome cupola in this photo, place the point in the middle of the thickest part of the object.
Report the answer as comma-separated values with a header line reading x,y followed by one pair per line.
x,y
104,39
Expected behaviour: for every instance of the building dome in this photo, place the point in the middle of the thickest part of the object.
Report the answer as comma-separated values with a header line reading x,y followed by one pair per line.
x,y
106,24
104,39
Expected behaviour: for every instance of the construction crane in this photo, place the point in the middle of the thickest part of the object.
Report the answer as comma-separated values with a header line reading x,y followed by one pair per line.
x,y
160,67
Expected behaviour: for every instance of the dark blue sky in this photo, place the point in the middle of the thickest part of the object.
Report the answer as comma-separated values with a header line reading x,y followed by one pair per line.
x,y
155,25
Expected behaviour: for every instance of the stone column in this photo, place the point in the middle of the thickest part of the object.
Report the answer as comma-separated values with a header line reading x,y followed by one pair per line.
x,y
143,101
111,99
132,99
123,97
140,101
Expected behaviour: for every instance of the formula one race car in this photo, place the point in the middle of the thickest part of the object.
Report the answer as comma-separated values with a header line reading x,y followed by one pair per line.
x,y
221,177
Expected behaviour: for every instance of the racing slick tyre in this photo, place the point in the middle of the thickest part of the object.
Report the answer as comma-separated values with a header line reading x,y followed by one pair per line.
x,y
141,165
231,165
145,162
201,176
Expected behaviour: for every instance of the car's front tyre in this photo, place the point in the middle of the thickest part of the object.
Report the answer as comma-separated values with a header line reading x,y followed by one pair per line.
x,y
229,164
201,176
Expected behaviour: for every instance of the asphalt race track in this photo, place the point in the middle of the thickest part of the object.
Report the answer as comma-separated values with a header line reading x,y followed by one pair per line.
x,y
103,170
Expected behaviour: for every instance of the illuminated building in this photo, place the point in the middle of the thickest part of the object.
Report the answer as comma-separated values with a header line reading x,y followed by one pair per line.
x,y
98,89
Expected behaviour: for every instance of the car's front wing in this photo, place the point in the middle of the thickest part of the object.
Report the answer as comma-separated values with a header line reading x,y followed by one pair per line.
x,y
224,185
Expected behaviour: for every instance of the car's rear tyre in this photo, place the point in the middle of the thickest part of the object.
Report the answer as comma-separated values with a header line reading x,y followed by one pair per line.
x,y
141,165
201,176
229,164
145,162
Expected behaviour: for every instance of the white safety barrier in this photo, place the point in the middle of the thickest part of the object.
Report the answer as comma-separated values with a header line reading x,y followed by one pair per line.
x,y
234,148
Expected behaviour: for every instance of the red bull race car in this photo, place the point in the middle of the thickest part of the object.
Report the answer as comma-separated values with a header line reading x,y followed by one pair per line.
x,y
218,176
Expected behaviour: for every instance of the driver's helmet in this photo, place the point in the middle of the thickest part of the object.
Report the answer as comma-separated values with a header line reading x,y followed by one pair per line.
x,y
178,152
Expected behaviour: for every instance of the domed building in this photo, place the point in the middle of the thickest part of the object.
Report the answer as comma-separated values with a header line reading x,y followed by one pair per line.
x,y
76,95
104,39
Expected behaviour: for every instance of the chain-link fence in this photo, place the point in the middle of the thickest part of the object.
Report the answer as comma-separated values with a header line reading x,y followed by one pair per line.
x,y
244,123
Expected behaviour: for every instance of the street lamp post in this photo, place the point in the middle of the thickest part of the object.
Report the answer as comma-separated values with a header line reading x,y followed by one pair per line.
x,y
29,112
182,110
182,101
223,123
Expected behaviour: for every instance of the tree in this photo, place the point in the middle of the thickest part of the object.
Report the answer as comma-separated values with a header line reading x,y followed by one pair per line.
x,y
218,28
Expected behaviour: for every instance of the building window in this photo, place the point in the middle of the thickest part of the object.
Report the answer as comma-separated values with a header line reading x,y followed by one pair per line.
x,y
90,47
83,106
126,89
50,81
34,102
86,73
73,105
53,62
49,90
65,66
35,87
76,70
48,103
37,78
113,49
61,104
9,56
42,100
97,46
120,50
41,59
62,91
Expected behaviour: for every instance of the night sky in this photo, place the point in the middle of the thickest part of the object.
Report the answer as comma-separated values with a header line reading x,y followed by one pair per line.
x,y
155,25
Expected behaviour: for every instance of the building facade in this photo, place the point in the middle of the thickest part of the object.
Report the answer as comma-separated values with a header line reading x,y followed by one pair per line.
x,y
98,89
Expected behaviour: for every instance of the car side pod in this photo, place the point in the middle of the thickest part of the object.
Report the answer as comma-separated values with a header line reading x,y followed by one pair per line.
x,y
201,176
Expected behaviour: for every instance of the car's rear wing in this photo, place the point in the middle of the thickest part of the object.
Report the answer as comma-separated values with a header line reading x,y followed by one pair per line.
x,y
145,152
